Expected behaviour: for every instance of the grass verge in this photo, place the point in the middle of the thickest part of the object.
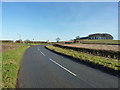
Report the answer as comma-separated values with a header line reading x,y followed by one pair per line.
x,y
105,62
10,66
37,43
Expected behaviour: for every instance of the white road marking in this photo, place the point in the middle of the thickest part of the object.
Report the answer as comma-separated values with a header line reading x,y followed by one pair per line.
x,y
63,67
42,53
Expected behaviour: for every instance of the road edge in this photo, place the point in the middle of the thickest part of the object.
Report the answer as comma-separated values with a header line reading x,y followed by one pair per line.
x,y
20,65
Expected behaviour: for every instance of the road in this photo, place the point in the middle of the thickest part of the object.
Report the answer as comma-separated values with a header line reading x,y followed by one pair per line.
x,y
42,68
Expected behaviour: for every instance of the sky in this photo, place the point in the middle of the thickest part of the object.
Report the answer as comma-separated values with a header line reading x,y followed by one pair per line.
x,y
44,21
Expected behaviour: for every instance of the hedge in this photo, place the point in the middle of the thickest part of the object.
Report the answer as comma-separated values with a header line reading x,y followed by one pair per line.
x,y
103,53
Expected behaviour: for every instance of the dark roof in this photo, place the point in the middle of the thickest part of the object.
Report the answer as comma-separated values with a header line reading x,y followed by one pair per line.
x,y
101,34
84,38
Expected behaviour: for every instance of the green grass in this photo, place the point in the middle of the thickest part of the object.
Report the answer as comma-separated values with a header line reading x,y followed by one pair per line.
x,y
101,41
34,44
38,43
0,70
106,62
10,66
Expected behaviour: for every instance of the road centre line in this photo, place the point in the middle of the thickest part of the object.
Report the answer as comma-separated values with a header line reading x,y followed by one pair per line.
x,y
59,65
63,67
42,53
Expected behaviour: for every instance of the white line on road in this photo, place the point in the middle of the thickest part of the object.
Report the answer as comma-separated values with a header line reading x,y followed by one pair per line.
x,y
63,67
42,53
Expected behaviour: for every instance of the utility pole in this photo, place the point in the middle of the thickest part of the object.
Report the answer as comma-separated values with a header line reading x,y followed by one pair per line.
x,y
19,36
33,40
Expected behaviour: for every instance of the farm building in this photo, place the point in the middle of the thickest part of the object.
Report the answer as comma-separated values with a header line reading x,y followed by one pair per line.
x,y
97,36
100,36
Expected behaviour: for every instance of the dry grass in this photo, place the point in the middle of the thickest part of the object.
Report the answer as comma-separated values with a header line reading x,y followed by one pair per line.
x,y
10,46
104,41
95,46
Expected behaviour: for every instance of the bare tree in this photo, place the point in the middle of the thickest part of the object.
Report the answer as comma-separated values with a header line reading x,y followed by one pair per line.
x,y
27,41
19,41
77,37
47,41
57,39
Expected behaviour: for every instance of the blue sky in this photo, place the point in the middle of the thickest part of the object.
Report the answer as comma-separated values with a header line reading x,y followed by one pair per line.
x,y
49,20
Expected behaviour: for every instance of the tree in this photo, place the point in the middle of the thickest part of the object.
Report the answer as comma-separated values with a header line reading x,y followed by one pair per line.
x,y
57,39
19,41
7,41
27,41
47,41
78,37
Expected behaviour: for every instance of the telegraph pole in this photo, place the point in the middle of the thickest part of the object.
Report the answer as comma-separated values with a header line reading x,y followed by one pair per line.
x,y
33,40
19,36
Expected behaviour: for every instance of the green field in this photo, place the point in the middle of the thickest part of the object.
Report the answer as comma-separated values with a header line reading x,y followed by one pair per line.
x,y
101,41
106,62
10,65
37,43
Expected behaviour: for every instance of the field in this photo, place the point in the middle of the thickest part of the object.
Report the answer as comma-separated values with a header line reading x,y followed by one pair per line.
x,y
105,62
10,46
11,56
0,66
95,46
100,41
37,43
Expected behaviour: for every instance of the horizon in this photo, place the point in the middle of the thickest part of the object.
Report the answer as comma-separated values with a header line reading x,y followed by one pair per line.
x,y
60,40
48,20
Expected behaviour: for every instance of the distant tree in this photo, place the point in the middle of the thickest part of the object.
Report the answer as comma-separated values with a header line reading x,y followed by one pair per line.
x,y
19,41
7,41
47,41
77,37
71,39
27,41
57,39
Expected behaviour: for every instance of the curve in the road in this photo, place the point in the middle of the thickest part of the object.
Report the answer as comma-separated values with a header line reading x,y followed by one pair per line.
x,y
42,68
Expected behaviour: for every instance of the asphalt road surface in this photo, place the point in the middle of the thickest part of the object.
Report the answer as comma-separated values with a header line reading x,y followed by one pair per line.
x,y
42,68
